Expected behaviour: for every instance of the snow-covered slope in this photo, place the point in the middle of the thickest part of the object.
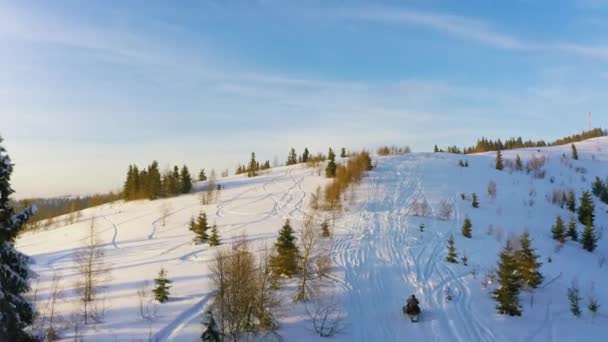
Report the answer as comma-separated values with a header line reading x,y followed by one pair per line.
x,y
379,252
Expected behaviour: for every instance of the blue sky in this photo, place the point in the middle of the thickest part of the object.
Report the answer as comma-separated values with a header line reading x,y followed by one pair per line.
x,y
87,88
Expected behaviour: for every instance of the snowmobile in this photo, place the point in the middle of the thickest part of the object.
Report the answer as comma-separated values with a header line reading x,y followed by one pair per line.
x,y
412,309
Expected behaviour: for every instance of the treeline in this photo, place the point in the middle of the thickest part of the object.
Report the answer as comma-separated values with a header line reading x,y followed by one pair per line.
x,y
49,208
388,150
252,167
485,144
149,183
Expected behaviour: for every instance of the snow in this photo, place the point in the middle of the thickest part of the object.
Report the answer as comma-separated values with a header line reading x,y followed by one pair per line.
x,y
380,256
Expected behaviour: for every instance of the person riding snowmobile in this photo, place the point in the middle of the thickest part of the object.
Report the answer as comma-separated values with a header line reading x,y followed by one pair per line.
x,y
412,307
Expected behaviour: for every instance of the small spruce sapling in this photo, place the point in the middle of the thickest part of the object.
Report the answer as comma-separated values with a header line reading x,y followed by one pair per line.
x,y
452,255
475,202
161,291
575,299
466,228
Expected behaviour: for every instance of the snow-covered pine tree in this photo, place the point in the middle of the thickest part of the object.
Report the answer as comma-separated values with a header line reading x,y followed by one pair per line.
x,y
586,208
16,313
214,238
330,170
575,299
285,261
558,230
499,163
574,152
466,227
161,291
527,263
475,202
507,293
452,255
572,232
212,332
589,238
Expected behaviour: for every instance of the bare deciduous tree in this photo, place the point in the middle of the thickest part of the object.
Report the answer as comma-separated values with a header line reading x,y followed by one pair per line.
x,y
445,209
244,302
92,272
492,190
308,239
327,317
420,207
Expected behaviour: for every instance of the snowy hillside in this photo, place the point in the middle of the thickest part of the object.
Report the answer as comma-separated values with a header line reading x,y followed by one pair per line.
x,y
380,254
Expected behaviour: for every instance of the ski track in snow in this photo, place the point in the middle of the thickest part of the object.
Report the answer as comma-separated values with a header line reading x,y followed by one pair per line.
x,y
384,258
194,313
114,238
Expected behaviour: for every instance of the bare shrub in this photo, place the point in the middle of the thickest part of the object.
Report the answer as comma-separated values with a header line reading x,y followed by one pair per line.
x,y
499,234
492,190
308,241
420,207
445,209
535,165
327,317
147,307
490,229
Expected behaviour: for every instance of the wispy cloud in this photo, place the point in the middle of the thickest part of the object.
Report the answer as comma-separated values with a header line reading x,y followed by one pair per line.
x,y
473,30
456,26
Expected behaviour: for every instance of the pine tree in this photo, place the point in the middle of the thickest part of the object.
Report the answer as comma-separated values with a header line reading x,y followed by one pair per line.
x,y
575,299
466,228
452,255
211,333
16,313
153,182
597,188
499,163
585,209
305,155
574,153
571,200
436,149
253,166
343,153
285,262
559,230
325,229
475,202
527,263
572,232
589,238
604,195
292,158
507,294
161,291
330,170
202,176
518,164
214,239
185,180
200,228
